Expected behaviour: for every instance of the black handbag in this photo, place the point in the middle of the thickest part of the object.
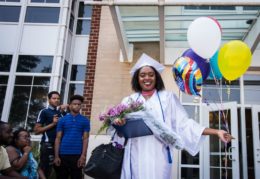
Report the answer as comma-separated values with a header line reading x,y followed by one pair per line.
x,y
105,162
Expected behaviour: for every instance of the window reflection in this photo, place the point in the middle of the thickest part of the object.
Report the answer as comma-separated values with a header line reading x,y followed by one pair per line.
x,y
78,73
224,92
5,63
62,90
84,19
42,14
37,64
46,1
28,99
12,0
65,69
3,86
188,173
186,158
76,89
71,24
84,10
10,13
252,89
83,27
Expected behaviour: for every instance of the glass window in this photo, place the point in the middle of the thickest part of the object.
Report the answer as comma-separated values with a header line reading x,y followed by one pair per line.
x,y
37,64
226,91
10,13
253,8
84,19
46,1
65,69
71,22
10,0
83,27
78,72
62,90
73,5
3,86
77,79
28,99
5,63
252,89
187,173
84,10
76,89
210,7
42,14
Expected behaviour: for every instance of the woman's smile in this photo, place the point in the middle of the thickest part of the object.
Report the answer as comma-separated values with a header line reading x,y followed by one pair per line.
x,y
147,78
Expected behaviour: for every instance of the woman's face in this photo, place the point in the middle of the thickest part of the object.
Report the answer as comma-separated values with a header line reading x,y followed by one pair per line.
x,y
146,78
23,140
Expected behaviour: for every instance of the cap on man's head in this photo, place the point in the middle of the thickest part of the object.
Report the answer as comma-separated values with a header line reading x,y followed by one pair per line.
x,y
146,60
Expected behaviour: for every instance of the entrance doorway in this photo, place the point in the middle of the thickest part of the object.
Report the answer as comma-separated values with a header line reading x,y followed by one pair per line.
x,y
220,160
256,138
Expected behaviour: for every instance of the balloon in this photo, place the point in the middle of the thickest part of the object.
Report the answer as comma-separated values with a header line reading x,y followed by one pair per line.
x,y
204,36
214,69
215,20
187,75
234,59
202,63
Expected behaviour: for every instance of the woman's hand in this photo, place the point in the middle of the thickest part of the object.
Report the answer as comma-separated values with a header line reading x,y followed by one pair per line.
x,y
119,121
224,136
27,149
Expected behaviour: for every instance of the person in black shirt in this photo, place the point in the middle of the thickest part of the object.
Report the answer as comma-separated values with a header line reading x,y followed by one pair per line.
x,y
46,125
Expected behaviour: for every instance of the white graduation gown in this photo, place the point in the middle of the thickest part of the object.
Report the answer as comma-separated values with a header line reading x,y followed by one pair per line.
x,y
146,157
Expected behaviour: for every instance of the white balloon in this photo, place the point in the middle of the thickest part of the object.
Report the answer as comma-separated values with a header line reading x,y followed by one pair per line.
x,y
204,36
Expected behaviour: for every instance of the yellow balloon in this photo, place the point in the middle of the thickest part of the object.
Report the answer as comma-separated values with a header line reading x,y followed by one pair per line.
x,y
234,59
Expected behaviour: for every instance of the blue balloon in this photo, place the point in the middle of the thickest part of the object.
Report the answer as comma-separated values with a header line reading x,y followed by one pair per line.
x,y
214,69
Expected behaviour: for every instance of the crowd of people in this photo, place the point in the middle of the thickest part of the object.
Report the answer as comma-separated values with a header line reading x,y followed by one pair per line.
x,y
64,143
65,134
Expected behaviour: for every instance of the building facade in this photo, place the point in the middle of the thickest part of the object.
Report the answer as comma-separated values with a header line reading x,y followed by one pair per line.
x,y
89,49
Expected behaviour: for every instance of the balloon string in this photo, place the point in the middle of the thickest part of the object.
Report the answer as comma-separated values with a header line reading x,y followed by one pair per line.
x,y
219,86
226,162
223,116
225,144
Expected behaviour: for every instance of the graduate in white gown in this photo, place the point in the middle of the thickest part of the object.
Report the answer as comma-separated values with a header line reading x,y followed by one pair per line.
x,y
147,157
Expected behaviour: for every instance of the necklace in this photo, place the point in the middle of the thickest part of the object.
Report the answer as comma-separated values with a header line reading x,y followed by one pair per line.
x,y
148,93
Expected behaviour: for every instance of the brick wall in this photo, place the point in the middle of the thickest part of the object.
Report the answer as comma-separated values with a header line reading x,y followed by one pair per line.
x,y
91,61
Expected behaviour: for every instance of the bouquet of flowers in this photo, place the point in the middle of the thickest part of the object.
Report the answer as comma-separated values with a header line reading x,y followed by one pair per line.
x,y
118,112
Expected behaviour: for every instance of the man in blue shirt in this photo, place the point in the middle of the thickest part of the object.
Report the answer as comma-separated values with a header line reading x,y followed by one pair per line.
x,y
46,125
71,142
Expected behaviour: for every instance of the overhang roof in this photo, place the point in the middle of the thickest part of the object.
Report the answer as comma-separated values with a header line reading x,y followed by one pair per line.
x,y
167,21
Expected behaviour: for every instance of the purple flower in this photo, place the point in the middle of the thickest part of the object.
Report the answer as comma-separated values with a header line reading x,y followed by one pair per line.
x,y
119,111
103,117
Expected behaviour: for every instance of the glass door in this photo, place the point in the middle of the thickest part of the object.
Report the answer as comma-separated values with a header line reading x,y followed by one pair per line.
x,y
256,139
220,160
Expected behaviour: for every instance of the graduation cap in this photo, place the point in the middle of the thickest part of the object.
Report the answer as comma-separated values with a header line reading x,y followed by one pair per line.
x,y
146,60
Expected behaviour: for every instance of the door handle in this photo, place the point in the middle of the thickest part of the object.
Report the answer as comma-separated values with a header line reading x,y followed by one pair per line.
x,y
230,153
